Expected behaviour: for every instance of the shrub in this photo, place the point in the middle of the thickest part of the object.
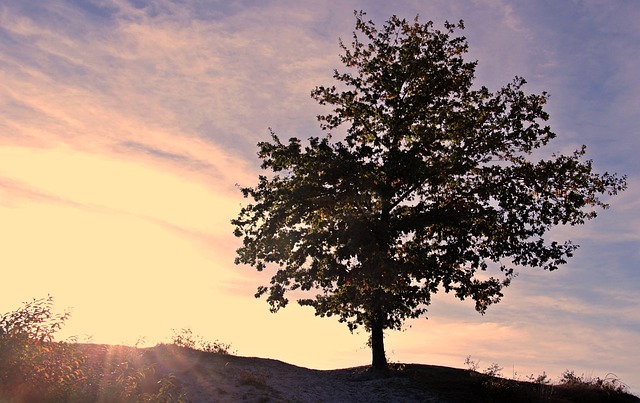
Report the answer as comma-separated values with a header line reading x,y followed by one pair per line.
x,y
36,368
31,357
571,388
185,338
610,382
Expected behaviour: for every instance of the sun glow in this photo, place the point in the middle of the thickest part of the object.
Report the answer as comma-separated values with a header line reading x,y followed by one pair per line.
x,y
135,251
115,235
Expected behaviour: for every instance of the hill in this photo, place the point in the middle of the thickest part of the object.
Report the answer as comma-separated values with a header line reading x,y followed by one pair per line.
x,y
171,373
36,368
211,377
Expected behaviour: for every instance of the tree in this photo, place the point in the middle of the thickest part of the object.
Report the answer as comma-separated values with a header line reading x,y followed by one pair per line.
x,y
434,185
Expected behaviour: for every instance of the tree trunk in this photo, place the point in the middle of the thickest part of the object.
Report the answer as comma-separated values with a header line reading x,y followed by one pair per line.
x,y
377,346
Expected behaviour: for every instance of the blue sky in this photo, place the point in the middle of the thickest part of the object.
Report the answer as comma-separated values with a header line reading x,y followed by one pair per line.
x,y
126,125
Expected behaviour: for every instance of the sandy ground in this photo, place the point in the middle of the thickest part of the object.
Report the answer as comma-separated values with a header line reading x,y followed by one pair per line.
x,y
224,378
211,377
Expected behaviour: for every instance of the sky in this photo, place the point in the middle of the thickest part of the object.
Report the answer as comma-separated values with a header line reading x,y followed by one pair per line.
x,y
126,127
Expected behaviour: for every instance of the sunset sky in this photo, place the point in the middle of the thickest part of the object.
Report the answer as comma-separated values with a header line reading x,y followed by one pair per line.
x,y
126,125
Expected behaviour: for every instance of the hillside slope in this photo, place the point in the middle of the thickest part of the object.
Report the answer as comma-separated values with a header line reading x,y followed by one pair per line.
x,y
211,377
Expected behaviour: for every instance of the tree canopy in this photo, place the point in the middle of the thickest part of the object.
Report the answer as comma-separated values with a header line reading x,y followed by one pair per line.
x,y
436,184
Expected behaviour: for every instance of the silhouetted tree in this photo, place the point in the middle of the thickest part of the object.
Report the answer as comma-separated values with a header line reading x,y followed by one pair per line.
x,y
433,184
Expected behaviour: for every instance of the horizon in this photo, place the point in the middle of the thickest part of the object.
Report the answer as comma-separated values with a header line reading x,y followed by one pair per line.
x,y
126,128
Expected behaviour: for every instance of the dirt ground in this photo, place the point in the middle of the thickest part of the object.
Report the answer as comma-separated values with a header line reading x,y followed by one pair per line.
x,y
212,377
224,378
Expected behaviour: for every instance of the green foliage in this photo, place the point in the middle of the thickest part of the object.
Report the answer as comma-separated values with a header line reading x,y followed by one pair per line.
x,y
170,391
185,338
34,367
29,355
129,380
434,183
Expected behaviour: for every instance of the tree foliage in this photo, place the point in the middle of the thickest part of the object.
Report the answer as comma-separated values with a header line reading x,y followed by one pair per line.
x,y
434,182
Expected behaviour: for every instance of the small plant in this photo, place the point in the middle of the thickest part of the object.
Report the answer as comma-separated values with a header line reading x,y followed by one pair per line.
x,y
170,391
540,379
609,383
540,388
491,380
185,338
129,378
252,378
493,370
472,365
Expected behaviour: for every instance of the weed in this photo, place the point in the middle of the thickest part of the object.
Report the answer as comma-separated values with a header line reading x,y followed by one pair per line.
x,y
494,370
185,338
540,388
251,378
472,365
540,379
609,383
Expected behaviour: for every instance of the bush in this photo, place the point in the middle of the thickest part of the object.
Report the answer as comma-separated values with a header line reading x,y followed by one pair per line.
x,y
610,383
571,388
185,338
36,368
30,356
